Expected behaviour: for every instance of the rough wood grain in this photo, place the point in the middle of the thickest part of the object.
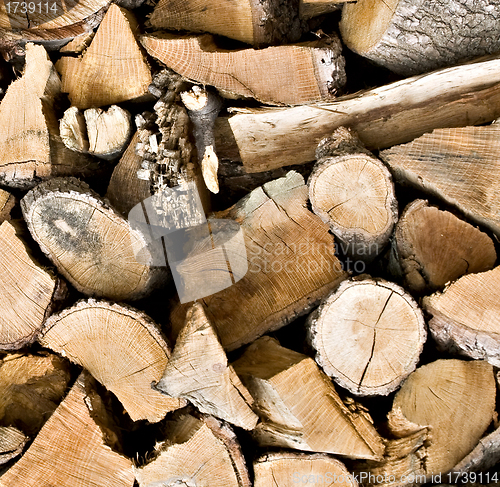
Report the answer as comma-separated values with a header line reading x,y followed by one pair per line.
x,y
12,443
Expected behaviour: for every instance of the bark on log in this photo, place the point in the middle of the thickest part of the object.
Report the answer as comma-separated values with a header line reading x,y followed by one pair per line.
x,y
196,451
267,138
91,81
315,419
90,244
291,260
352,191
433,247
74,440
458,165
91,334
287,75
414,36
12,443
368,336
465,317
28,292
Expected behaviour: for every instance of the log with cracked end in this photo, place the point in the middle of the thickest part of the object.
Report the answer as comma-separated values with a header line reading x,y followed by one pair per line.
x,y
203,107
91,334
198,371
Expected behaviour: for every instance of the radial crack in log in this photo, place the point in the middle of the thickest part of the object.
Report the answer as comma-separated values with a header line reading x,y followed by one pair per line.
x,y
121,347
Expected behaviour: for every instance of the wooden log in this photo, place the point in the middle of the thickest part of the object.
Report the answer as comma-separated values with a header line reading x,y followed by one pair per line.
x,y
267,138
91,334
296,468
441,162
71,448
465,316
287,75
352,191
314,8
78,44
291,265
12,443
30,144
315,419
368,336
90,244
433,247
90,81
411,37
28,292
198,371
7,202
32,387
196,451
254,22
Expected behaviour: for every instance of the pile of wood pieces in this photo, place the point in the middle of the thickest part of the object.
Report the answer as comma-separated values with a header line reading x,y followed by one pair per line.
x,y
249,243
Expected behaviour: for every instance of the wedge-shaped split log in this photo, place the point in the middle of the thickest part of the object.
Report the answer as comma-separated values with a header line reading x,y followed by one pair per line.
x,y
299,406
466,316
196,452
7,202
90,244
121,347
112,69
433,247
291,265
71,450
368,336
287,75
12,443
198,371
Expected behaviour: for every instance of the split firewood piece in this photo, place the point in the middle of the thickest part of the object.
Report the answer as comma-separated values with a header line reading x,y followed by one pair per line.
x,y
102,76
300,468
254,22
203,107
73,130
90,244
196,451
7,202
291,265
368,336
28,292
465,316
313,8
12,443
317,421
287,75
71,448
78,44
125,189
267,138
30,144
199,372
440,163
121,347
433,247
32,387
352,191
411,40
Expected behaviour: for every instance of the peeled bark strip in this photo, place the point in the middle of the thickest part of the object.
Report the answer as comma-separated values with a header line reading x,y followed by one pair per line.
x,y
434,247
255,22
12,443
414,36
121,347
30,144
465,316
267,138
299,407
287,75
291,265
352,191
28,293
112,69
368,336
198,371
32,387
458,165
196,452
7,202
283,468
71,449
90,244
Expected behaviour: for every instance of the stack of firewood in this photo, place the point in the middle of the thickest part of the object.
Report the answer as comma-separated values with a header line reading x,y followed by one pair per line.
x,y
346,328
